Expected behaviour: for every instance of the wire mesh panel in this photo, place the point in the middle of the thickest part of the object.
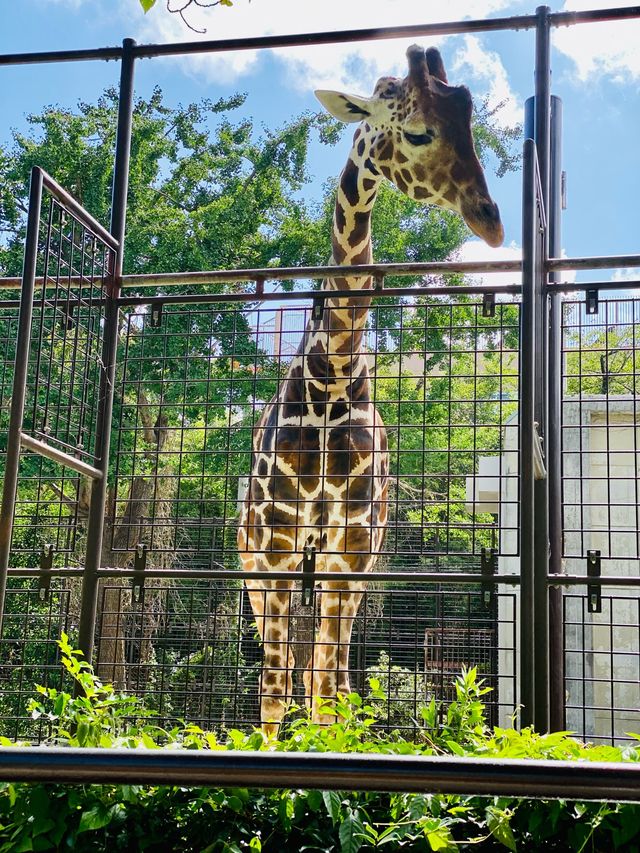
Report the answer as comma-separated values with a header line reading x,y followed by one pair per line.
x,y
192,650
193,387
603,666
601,432
29,655
63,380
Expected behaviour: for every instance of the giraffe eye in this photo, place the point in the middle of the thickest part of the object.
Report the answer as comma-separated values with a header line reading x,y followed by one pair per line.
x,y
419,138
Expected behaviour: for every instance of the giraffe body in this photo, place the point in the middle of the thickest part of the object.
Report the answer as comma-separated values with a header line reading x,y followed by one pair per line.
x,y
320,466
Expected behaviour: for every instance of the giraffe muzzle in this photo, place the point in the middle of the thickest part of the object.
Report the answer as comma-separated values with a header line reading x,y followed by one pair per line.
x,y
485,222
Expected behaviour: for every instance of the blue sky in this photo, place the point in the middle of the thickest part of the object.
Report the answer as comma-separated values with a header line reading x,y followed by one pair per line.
x,y
596,72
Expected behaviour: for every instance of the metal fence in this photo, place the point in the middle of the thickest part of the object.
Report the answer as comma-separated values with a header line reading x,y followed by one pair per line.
x,y
513,535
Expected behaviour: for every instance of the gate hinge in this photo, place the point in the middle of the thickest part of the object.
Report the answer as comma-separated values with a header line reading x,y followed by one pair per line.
x,y
318,308
46,564
594,590
488,568
489,305
591,297
139,567
308,575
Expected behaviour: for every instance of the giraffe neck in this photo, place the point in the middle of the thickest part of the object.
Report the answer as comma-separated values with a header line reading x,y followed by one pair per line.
x,y
344,318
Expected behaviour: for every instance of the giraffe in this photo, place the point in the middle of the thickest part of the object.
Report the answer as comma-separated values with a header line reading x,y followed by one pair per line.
x,y
320,470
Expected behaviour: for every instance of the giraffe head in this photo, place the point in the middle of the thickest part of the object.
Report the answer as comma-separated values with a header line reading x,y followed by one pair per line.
x,y
416,131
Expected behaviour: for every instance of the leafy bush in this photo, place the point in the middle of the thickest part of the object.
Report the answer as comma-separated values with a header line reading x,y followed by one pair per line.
x,y
209,820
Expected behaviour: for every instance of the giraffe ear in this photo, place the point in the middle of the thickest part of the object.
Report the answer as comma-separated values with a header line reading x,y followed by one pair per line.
x,y
347,108
436,65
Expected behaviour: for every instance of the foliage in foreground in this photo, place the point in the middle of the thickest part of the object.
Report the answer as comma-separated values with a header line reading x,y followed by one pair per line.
x,y
160,818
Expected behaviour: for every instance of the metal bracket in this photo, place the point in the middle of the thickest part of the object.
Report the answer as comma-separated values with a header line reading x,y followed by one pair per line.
x,y
378,282
46,564
594,591
308,575
488,568
139,567
318,308
156,316
591,297
539,468
489,305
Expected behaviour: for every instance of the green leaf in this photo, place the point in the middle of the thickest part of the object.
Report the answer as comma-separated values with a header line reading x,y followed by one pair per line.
x,y
147,4
351,833
333,802
498,823
96,818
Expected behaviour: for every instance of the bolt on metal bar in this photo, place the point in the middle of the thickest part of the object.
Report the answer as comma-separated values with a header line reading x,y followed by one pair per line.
x,y
58,456
579,780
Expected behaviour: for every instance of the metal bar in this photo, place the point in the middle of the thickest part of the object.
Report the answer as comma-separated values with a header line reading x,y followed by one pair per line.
x,y
297,295
526,418
542,137
554,432
95,524
284,273
82,55
58,456
577,286
572,780
516,22
595,262
378,577
12,459
76,210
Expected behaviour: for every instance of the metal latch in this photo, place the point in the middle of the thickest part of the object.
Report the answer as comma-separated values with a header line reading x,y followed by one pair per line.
x,y
489,305
156,315
594,590
308,575
591,297
488,568
318,308
139,567
46,564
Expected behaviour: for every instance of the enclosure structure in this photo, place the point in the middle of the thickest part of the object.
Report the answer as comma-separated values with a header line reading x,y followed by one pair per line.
x,y
122,528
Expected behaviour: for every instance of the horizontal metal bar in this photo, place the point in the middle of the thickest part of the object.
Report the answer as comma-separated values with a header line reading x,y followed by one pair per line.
x,y
43,449
578,286
596,262
233,574
298,295
583,580
82,55
76,209
572,780
516,22
334,271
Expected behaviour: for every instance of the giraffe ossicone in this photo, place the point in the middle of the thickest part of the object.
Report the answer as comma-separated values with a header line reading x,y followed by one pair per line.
x,y
320,468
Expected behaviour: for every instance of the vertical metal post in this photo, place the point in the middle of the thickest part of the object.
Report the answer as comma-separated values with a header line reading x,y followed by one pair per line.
x,y
97,506
540,509
554,434
526,417
18,393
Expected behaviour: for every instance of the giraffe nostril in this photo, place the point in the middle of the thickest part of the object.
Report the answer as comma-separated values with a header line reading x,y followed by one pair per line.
x,y
489,210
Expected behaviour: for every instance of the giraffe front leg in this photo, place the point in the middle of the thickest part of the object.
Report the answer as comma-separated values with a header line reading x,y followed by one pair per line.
x,y
328,671
276,683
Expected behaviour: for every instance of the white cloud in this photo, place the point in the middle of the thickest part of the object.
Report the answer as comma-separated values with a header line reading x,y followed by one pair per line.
x,y
608,48
489,72
626,274
353,66
477,250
